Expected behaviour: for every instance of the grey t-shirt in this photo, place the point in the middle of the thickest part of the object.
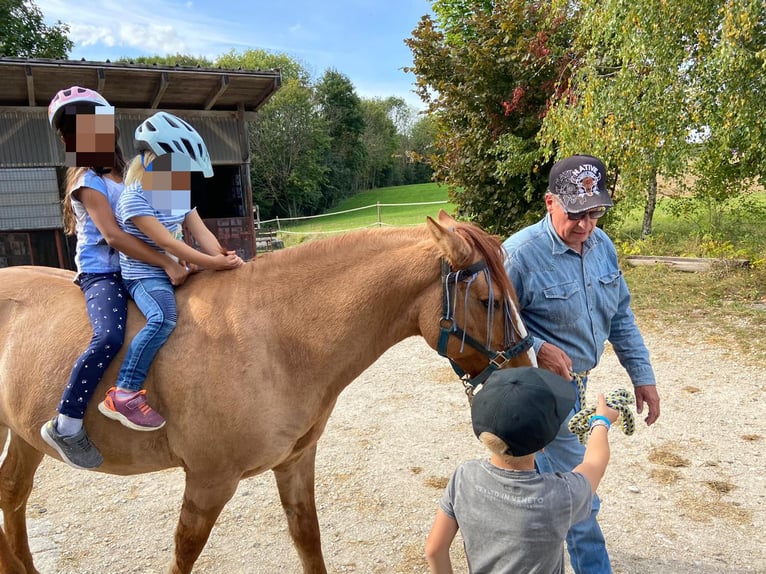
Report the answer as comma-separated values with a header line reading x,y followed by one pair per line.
x,y
515,521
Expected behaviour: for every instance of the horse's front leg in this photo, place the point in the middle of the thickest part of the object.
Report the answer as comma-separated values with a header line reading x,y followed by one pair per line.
x,y
204,498
295,481
16,479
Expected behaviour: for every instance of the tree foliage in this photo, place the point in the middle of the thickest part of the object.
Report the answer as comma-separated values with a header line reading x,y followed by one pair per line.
x,y
184,60
24,34
288,142
486,70
341,109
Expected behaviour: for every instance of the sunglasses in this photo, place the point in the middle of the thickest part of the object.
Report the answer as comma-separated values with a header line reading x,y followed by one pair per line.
x,y
593,214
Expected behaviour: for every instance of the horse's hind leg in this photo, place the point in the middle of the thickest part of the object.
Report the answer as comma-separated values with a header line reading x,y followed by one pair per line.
x,y
204,498
295,482
16,478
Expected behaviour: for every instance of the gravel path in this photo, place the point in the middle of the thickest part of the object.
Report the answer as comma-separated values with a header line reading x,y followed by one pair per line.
x,y
685,496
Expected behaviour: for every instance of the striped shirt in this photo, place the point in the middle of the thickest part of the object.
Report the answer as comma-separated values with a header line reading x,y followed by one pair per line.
x,y
134,203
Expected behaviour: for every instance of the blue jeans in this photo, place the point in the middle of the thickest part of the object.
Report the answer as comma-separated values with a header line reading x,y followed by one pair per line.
x,y
106,301
585,541
157,301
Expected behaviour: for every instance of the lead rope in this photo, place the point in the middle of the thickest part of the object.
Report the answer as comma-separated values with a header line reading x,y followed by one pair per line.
x,y
619,400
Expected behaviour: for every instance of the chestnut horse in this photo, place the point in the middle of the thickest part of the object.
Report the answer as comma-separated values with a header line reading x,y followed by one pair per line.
x,y
252,372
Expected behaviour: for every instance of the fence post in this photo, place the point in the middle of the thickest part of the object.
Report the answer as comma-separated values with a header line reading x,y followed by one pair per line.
x,y
379,220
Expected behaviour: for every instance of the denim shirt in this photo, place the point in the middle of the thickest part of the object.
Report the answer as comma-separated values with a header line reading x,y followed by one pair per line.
x,y
576,302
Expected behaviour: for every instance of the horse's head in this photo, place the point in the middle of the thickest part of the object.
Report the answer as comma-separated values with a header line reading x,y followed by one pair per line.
x,y
480,328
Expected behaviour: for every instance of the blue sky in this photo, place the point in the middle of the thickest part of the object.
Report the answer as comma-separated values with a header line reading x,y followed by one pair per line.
x,y
362,39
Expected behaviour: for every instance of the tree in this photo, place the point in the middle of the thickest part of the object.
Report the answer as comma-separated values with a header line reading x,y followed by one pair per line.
x,y
184,60
380,142
24,34
264,60
288,144
486,69
288,139
341,109
652,73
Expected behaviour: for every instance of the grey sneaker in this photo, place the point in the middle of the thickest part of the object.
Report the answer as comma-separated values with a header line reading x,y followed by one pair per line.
x,y
76,450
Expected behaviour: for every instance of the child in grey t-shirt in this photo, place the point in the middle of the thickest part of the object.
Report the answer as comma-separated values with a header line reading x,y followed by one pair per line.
x,y
512,518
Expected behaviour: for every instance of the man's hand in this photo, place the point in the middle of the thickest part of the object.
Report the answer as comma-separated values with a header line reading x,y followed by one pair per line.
x,y
554,359
648,394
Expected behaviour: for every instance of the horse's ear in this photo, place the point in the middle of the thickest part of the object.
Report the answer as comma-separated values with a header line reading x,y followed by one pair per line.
x,y
446,219
453,247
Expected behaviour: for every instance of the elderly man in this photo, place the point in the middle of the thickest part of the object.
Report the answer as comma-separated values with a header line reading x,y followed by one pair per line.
x,y
573,299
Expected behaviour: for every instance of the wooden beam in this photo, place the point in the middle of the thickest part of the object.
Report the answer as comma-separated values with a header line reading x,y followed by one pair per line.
x,y
30,86
224,85
101,73
164,82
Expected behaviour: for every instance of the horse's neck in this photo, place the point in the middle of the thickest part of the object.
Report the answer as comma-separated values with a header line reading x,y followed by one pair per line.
x,y
342,303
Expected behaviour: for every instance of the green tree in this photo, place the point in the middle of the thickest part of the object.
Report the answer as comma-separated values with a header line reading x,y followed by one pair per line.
x,y
486,70
265,60
419,150
380,142
24,34
341,109
184,60
288,143
650,73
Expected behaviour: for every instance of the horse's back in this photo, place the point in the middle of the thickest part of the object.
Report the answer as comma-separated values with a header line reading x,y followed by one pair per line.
x,y
41,319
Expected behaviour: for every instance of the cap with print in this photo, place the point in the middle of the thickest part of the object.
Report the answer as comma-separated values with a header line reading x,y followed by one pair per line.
x,y
579,183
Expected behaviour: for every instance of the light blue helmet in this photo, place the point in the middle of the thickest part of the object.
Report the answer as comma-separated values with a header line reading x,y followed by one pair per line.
x,y
165,133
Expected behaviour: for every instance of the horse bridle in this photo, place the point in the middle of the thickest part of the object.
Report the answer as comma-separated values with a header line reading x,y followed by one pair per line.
x,y
449,327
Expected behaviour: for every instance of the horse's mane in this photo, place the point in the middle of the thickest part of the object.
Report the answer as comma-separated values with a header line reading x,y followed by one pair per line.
x,y
362,238
489,246
491,250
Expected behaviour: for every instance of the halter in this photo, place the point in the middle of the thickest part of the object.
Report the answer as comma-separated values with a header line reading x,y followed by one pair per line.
x,y
515,344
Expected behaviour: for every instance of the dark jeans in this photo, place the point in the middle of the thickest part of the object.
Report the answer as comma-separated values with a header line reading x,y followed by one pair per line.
x,y
106,301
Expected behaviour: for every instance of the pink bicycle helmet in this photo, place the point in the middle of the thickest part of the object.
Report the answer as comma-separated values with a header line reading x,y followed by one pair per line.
x,y
73,95
165,133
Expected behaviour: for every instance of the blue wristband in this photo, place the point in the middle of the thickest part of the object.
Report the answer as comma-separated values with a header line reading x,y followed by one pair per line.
x,y
600,418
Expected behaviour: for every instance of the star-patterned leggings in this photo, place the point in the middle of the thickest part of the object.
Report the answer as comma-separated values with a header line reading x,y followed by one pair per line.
x,y
107,303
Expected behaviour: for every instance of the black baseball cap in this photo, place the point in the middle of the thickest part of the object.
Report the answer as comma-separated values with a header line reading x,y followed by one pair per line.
x,y
523,406
579,182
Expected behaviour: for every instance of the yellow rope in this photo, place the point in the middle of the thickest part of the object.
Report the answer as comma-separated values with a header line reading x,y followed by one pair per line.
x,y
620,400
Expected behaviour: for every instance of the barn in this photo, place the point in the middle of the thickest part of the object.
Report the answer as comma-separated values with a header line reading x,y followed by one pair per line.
x,y
217,102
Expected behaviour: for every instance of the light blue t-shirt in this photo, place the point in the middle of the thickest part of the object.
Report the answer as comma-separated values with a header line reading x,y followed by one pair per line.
x,y
576,302
93,254
515,521
133,203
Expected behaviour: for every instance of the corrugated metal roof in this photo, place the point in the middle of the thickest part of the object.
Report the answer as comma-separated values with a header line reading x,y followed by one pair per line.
x,y
27,140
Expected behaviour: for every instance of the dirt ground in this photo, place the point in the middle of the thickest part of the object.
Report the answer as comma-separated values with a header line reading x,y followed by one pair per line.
x,y
685,496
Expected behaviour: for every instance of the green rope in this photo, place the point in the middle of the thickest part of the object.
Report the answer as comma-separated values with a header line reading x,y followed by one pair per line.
x,y
620,400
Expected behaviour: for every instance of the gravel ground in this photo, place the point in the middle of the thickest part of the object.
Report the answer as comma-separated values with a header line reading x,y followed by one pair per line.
x,y
685,496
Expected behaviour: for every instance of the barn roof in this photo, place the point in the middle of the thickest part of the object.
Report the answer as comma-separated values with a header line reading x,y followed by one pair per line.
x,y
34,82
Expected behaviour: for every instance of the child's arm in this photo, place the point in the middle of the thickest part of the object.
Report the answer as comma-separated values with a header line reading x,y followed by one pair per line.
x,y
151,227
101,213
596,456
202,235
438,543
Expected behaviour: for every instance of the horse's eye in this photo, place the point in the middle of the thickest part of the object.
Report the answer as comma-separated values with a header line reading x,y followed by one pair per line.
x,y
495,304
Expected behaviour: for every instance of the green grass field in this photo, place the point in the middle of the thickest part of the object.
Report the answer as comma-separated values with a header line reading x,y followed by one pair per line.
x,y
368,213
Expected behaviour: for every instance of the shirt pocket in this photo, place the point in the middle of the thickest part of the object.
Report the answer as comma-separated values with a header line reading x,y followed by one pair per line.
x,y
563,304
610,292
